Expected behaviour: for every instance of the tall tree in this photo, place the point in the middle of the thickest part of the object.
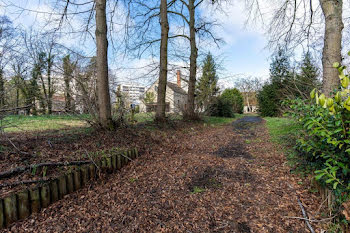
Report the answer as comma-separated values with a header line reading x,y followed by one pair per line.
x,y
104,101
34,90
333,11
207,88
50,89
193,60
280,67
68,68
295,23
21,87
6,44
160,112
2,88
197,26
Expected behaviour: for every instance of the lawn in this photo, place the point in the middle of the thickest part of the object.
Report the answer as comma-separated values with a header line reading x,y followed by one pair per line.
x,y
284,133
21,123
281,129
41,123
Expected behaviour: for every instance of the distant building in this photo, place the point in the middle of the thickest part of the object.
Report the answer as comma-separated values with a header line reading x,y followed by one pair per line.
x,y
132,92
250,102
175,99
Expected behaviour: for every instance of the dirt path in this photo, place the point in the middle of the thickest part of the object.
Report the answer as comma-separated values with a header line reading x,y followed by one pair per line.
x,y
225,179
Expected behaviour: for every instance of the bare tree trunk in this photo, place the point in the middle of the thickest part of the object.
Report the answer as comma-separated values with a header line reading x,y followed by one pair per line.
x,y
2,89
17,100
160,113
248,104
193,63
67,93
49,83
104,99
332,10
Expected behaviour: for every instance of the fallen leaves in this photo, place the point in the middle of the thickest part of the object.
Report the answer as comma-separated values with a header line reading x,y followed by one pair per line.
x,y
155,192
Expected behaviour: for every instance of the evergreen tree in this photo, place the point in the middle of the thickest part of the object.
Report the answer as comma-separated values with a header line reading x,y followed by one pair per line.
x,y
207,88
268,100
280,68
307,79
281,78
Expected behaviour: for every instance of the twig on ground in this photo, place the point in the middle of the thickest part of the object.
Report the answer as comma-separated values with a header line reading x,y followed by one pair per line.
x,y
17,149
311,220
319,208
87,153
126,157
18,170
306,218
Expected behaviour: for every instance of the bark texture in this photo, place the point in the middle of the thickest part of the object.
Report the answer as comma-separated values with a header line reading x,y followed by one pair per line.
x,y
190,114
332,10
104,101
2,89
67,75
160,113
49,82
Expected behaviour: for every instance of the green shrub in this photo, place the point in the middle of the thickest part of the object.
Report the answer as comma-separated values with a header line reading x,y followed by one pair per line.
x,y
220,107
268,100
325,141
233,97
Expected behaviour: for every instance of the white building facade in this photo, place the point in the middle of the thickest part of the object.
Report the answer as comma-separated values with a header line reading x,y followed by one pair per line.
x,y
175,97
133,92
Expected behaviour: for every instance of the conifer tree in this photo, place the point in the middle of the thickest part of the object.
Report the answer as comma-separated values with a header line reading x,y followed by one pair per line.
x,y
280,68
307,79
207,85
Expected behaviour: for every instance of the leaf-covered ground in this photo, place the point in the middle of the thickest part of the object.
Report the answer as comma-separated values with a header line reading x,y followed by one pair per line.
x,y
208,179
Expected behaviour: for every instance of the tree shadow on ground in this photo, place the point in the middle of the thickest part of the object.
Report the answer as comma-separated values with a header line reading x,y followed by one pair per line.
x,y
213,177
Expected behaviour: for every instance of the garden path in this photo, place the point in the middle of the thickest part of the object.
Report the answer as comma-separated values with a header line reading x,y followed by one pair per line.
x,y
224,179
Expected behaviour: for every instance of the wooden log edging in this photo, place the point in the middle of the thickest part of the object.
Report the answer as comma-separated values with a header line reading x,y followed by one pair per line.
x,y
20,205
326,194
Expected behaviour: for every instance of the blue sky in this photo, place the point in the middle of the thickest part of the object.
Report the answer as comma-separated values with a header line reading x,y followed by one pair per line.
x,y
242,54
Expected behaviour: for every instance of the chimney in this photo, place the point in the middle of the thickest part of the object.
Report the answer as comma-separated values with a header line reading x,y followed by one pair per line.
x,y
178,78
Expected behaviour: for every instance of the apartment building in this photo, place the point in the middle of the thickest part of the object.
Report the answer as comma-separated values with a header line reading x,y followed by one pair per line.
x,y
133,92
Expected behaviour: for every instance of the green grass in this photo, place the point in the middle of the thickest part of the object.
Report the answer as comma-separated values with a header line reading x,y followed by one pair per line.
x,y
197,189
41,123
22,123
281,128
284,132
144,117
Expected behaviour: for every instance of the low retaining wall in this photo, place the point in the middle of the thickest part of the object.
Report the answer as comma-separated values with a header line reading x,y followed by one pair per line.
x,y
326,194
20,205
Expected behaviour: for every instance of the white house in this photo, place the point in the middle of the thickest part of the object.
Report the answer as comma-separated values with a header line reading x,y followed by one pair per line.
x,y
176,97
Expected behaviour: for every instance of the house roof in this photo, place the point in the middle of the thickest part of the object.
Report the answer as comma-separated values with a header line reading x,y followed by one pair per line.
x,y
176,88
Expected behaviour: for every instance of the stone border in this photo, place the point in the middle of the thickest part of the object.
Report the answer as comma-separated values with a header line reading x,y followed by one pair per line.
x,y
20,205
